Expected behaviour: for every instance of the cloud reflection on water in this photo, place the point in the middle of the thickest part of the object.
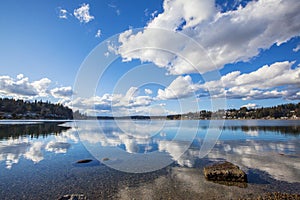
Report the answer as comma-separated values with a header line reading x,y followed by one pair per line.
x,y
13,149
279,158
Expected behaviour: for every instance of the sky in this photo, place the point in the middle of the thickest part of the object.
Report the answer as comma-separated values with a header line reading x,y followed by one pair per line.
x,y
157,57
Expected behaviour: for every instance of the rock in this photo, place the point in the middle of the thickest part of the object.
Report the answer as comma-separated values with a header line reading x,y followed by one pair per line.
x,y
84,161
226,172
105,159
73,197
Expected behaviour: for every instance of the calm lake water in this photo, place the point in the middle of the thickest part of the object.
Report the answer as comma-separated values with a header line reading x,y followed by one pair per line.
x,y
146,159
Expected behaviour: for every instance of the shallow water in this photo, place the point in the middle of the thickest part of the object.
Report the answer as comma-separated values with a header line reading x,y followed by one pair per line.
x,y
146,159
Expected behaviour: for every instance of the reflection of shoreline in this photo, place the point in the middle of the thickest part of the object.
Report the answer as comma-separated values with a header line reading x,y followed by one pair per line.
x,y
23,140
138,140
256,154
180,118
292,128
36,129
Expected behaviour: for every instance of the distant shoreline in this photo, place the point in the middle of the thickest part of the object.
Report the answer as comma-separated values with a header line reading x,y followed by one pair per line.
x,y
161,119
11,109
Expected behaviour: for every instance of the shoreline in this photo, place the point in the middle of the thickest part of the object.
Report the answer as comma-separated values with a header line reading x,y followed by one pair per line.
x,y
158,119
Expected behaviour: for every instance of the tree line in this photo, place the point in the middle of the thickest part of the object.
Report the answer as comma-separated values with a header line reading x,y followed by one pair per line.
x,y
20,109
284,111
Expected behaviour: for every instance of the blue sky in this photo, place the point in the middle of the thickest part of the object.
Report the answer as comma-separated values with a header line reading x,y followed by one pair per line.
x,y
190,52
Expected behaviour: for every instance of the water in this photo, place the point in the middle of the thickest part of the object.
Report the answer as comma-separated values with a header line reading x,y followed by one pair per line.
x,y
146,159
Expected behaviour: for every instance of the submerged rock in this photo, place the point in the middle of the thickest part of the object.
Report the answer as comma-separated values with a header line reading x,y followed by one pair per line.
x,y
105,159
226,173
84,161
73,197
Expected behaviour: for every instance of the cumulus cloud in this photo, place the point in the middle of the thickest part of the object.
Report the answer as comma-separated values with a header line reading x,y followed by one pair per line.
x,y
249,105
42,86
119,103
130,103
20,76
98,34
181,87
227,37
277,80
23,88
63,13
62,92
83,13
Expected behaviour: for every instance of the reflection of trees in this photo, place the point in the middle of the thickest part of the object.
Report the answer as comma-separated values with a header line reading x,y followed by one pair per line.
x,y
289,130
34,130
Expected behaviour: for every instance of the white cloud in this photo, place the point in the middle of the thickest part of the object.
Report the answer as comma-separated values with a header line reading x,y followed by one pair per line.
x,y
148,91
62,92
83,13
63,13
297,48
227,37
118,103
23,88
277,80
181,87
42,86
20,76
98,34
249,105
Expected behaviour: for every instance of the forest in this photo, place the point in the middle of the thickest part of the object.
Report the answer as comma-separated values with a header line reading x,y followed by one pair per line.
x,y
20,109
284,111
